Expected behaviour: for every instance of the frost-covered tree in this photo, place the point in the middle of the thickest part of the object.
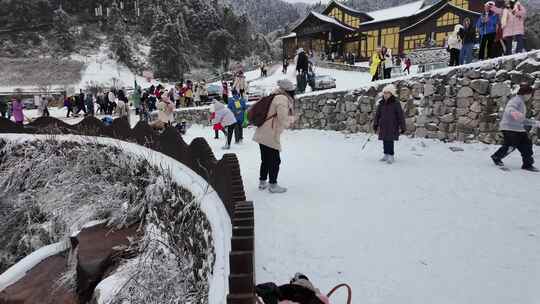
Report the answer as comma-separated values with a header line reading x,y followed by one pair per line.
x,y
168,52
62,24
220,42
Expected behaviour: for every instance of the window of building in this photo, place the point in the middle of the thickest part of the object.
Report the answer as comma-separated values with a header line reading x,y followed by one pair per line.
x,y
413,42
351,20
440,38
448,19
336,13
464,4
372,41
390,39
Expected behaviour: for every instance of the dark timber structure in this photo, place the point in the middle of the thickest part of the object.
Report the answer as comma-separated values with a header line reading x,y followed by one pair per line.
x,y
340,29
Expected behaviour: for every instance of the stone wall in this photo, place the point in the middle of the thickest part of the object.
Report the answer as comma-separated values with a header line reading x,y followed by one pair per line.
x,y
429,55
463,103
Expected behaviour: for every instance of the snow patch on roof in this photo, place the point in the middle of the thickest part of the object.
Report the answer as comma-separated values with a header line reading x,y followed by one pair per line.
x,y
331,20
291,35
401,11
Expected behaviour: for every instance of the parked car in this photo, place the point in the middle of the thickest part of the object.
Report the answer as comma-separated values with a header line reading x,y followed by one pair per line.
x,y
214,91
255,93
29,104
324,82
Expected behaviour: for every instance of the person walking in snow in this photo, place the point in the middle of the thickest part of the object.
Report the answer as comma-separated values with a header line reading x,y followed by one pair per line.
x,y
237,104
454,45
408,65
17,108
225,90
225,117
80,103
240,84
388,63
216,127
389,122
122,106
468,36
487,28
268,135
137,92
513,26
203,92
89,101
166,111
3,108
377,60
513,127
302,70
44,107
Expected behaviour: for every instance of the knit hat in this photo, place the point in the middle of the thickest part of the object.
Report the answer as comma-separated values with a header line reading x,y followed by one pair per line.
x,y
390,89
286,85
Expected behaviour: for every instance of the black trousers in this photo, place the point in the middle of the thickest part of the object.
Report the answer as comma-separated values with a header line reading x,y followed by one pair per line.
x,y
454,57
69,111
487,46
46,113
270,162
388,147
516,140
388,73
230,131
238,132
216,132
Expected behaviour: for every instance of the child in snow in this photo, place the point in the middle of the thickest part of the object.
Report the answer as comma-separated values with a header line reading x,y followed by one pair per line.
x,y
237,104
389,120
513,125
17,109
217,127
226,118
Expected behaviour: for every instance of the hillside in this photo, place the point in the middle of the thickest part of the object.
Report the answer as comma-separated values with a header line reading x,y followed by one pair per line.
x,y
266,15
171,37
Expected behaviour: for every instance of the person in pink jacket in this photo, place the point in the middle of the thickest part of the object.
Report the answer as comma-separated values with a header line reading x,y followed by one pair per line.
x,y
513,25
17,108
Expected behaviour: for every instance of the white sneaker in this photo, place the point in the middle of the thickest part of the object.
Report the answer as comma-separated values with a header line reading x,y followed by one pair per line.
x,y
226,147
263,185
275,188
385,158
390,159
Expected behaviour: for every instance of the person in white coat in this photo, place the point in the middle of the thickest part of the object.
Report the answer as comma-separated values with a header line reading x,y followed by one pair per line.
x,y
454,45
226,118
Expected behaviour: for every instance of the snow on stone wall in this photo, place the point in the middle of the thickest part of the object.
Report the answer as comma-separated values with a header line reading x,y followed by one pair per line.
x,y
463,103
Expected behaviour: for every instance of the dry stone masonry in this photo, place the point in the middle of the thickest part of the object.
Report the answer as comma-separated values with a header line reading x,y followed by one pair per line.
x,y
462,104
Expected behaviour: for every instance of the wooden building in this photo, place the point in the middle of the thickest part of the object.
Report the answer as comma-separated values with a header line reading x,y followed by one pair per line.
x,y
403,28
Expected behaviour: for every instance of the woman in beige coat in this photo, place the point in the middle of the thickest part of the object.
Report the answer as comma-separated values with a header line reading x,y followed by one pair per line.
x,y
268,136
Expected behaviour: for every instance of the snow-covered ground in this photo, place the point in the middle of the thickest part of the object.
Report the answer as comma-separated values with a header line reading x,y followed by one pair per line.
x,y
436,227
345,80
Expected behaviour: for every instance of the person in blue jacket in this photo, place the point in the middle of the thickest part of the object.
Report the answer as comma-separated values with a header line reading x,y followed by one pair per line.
x,y
487,28
237,104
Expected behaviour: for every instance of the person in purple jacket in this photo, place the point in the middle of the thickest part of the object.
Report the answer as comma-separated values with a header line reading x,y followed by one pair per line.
x,y
389,122
17,109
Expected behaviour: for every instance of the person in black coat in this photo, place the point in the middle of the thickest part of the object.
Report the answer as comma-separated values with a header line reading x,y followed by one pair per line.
x,y
302,69
468,35
389,122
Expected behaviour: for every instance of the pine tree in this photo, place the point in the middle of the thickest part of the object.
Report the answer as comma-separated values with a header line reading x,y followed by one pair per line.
x,y
219,42
62,23
168,54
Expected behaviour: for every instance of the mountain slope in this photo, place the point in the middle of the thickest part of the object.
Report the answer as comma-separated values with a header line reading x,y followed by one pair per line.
x,y
266,15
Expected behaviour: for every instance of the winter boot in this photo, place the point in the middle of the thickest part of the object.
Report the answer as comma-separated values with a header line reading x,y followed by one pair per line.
x,y
497,161
226,147
275,188
390,159
385,158
530,168
263,185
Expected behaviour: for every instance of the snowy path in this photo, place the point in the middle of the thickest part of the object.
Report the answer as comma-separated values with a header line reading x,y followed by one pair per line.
x,y
436,227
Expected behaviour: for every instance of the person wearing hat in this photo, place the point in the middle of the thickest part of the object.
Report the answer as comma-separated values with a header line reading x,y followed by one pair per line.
x,y
389,120
515,135
268,136
487,28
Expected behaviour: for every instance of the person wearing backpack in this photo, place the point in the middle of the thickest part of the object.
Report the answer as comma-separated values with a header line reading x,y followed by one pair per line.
x,y
225,117
237,104
272,115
